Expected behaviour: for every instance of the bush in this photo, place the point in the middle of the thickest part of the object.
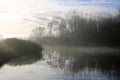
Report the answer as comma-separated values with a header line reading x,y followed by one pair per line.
x,y
18,52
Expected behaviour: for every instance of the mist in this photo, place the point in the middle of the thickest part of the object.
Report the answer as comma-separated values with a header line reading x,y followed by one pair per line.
x,y
58,39
80,30
19,52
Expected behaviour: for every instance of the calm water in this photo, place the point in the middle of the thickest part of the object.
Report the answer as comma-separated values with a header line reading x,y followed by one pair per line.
x,y
68,64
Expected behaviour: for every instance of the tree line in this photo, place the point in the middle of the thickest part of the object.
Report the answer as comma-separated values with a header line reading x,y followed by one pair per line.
x,y
81,31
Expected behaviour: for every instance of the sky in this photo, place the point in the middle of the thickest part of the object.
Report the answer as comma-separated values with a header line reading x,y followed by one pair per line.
x,y
20,17
101,3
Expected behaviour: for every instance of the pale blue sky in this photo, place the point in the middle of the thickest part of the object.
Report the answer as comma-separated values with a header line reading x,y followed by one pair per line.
x,y
20,17
100,3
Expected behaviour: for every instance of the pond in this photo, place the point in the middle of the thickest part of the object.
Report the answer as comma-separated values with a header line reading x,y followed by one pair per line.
x,y
68,64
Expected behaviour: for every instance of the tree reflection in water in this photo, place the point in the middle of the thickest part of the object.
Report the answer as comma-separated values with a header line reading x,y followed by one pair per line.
x,y
85,62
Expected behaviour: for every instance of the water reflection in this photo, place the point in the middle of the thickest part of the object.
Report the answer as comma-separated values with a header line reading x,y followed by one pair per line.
x,y
65,64
86,63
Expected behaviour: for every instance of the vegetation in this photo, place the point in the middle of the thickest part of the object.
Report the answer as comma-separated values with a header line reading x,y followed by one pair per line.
x,y
80,31
19,52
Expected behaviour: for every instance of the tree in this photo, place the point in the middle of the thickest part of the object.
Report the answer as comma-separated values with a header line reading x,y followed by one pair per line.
x,y
38,32
74,29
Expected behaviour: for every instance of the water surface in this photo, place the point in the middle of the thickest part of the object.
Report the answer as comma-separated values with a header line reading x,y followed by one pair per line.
x,y
68,64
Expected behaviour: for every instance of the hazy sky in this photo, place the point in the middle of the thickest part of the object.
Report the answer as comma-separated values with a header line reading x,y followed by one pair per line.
x,y
19,17
101,3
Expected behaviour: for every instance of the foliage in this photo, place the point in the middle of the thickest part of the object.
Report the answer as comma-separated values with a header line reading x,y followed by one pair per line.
x,y
77,30
19,52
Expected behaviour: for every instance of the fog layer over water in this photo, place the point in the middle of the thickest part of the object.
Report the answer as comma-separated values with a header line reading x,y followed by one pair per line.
x,y
80,63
